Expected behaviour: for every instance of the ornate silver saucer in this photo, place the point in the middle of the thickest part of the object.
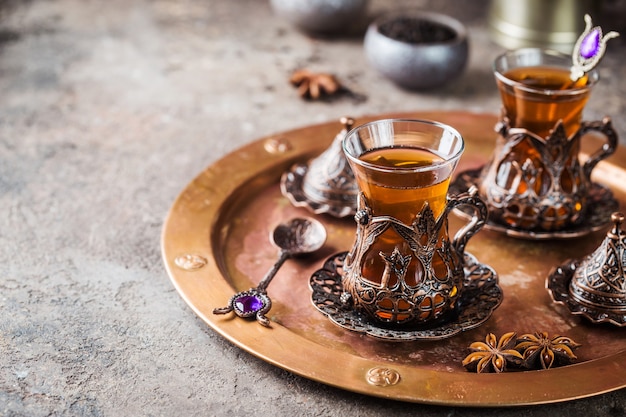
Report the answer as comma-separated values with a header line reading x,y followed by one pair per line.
x,y
595,287
480,297
602,204
326,183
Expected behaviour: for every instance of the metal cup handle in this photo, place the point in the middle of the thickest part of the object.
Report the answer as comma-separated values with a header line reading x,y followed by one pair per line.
x,y
478,220
606,128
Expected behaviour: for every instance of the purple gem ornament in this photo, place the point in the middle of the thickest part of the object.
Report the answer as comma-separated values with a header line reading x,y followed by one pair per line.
x,y
248,304
589,49
590,44
252,303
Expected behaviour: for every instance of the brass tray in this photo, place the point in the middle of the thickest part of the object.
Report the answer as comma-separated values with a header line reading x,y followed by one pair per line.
x,y
216,241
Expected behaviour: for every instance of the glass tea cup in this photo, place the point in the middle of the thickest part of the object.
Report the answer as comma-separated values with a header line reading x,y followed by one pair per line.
x,y
537,91
535,179
403,267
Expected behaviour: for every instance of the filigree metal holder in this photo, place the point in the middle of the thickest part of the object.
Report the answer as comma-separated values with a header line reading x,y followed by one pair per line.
x,y
537,183
391,298
595,287
480,297
601,204
537,187
326,183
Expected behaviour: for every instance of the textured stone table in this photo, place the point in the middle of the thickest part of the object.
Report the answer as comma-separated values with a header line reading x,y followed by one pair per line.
x,y
107,110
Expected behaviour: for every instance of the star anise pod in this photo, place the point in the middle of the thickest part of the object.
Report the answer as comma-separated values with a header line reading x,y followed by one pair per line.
x,y
542,352
493,355
314,85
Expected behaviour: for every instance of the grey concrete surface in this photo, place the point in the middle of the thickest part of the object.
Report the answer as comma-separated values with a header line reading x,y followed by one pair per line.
x,y
107,110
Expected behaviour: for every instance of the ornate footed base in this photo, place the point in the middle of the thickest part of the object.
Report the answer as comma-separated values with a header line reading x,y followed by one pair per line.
x,y
601,204
481,295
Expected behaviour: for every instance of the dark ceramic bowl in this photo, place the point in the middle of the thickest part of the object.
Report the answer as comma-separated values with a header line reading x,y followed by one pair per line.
x,y
417,50
321,16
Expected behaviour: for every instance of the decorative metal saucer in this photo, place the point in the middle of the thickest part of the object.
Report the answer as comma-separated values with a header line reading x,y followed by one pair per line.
x,y
480,297
602,204
595,287
324,184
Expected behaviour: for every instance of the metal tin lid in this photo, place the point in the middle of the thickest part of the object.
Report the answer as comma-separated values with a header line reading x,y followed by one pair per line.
x,y
554,24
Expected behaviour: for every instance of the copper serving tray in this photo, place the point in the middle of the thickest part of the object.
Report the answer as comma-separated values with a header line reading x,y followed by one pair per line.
x,y
216,241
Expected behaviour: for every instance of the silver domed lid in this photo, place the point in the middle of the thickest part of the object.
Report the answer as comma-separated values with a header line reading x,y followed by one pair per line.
x,y
326,183
595,287
600,280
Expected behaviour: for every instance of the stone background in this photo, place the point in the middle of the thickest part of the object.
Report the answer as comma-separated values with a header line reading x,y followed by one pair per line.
x,y
107,110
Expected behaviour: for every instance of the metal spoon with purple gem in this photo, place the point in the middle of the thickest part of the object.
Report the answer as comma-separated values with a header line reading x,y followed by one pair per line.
x,y
589,49
299,236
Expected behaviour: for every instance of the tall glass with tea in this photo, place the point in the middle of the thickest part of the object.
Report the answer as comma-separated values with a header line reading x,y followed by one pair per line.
x,y
403,266
536,179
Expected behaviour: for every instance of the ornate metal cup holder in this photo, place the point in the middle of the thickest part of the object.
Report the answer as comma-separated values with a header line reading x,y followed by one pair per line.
x,y
480,297
602,204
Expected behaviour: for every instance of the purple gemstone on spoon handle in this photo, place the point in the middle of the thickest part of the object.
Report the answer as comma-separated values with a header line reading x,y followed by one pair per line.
x,y
590,45
297,237
589,49
249,303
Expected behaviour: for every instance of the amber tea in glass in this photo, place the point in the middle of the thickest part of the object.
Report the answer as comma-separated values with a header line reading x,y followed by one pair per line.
x,y
402,249
400,195
536,180
537,91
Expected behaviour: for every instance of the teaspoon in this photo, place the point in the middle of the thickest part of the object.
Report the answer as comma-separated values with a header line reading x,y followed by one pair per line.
x,y
299,236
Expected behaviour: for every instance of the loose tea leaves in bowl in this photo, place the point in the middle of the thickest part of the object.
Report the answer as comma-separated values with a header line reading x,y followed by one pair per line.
x,y
414,30
417,50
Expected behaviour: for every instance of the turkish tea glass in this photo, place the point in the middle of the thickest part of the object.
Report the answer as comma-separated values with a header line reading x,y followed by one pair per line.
x,y
535,179
403,267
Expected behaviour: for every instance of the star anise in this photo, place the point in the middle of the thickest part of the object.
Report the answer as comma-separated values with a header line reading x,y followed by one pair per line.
x,y
542,352
314,85
493,355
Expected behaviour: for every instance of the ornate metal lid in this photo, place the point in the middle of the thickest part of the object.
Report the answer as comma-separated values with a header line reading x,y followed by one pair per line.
x,y
600,280
326,183
595,287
